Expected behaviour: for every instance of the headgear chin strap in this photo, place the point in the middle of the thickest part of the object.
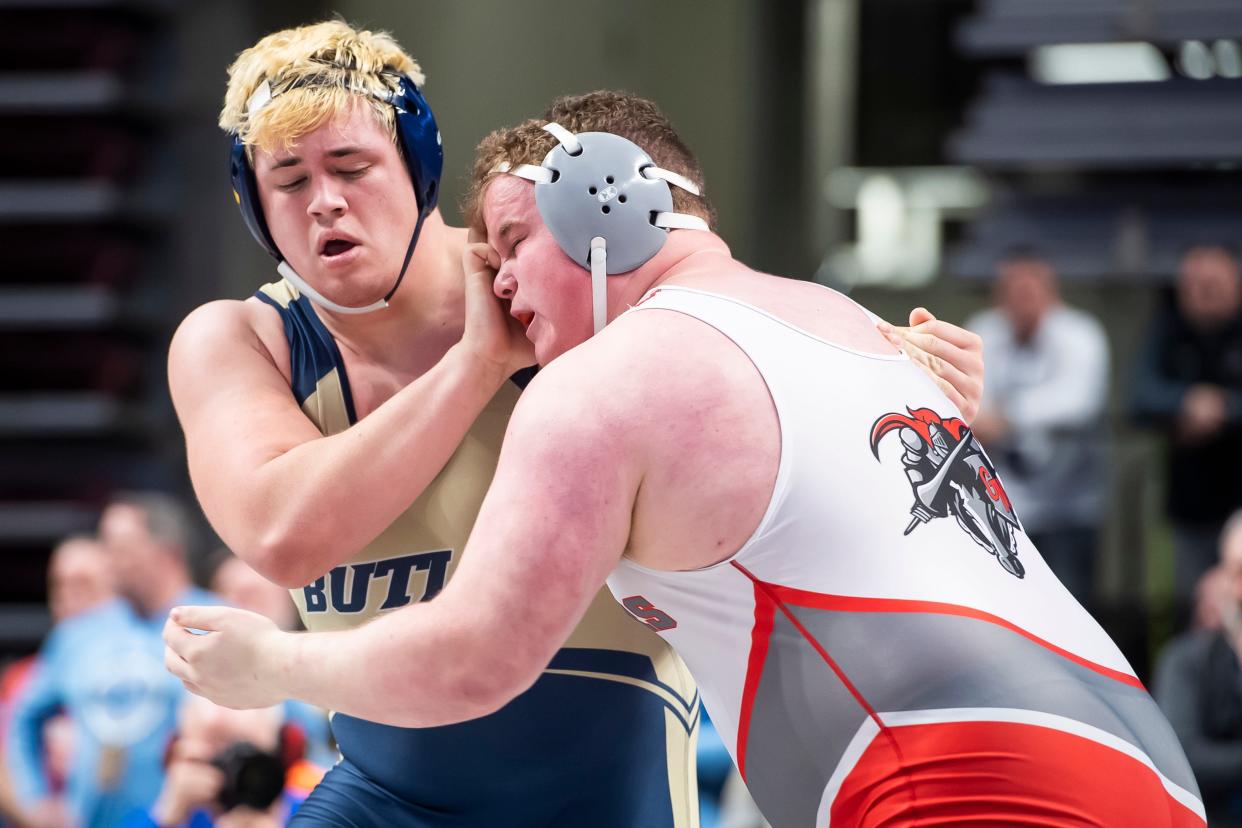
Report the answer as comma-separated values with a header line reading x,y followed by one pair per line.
x,y
418,138
607,204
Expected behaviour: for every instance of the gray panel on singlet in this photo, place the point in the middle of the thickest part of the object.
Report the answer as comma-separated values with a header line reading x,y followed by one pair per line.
x,y
928,661
803,718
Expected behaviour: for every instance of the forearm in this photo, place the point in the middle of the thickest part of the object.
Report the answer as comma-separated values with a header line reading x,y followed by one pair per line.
x,y
1063,407
319,503
1155,398
1073,394
411,668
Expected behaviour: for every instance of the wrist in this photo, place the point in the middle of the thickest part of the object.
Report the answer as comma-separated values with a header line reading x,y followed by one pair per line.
x,y
486,373
279,657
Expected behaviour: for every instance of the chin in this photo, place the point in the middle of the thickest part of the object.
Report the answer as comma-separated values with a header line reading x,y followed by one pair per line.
x,y
545,352
353,289
545,355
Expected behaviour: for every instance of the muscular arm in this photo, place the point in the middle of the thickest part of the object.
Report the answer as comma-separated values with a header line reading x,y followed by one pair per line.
x,y
554,523
286,499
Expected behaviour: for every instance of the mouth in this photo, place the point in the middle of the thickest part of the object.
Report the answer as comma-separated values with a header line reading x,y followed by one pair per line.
x,y
333,247
524,317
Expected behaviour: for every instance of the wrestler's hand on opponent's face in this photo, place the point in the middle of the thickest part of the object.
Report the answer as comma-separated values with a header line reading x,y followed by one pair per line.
x,y
951,356
233,661
491,334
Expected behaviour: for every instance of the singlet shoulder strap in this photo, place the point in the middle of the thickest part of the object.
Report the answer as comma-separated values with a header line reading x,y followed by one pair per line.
x,y
314,359
710,307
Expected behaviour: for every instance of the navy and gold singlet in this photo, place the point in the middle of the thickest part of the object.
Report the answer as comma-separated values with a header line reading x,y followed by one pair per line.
x,y
604,738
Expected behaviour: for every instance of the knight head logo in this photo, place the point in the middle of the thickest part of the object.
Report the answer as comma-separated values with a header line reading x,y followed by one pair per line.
x,y
952,476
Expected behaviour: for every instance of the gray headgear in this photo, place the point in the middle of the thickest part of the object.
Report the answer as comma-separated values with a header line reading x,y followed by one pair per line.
x,y
606,203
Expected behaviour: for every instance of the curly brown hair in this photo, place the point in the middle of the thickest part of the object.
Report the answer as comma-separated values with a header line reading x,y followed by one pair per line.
x,y
620,113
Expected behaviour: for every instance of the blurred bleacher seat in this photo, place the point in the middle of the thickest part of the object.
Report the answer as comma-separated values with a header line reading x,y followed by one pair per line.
x,y
86,200
1115,179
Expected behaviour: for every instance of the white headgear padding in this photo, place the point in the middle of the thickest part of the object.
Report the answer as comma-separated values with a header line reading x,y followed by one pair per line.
x,y
606,203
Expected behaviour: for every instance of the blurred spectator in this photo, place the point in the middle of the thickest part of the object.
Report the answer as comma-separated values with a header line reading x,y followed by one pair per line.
x,y
78,579
1199,685
1042,415
1189,383
239,585
104,668
1211,598
228,769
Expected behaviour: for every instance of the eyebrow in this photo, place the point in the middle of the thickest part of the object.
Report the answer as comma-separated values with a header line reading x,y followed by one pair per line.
x,y
293,160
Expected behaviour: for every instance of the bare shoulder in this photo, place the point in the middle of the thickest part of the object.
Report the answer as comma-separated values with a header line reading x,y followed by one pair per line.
x,y
644,375
672,403
820,311
223,332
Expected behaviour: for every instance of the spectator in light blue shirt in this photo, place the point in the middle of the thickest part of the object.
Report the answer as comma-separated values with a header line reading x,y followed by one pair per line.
x,y
105,670
1042,415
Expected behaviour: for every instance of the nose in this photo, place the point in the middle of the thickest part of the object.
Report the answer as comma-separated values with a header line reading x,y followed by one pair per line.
x,y
505,285
326,198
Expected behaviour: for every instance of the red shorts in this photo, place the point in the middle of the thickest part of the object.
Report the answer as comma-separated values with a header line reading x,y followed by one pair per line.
x,y
1002,773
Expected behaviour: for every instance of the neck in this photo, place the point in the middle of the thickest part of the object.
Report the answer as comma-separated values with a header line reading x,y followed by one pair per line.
x,y
428,308
680,254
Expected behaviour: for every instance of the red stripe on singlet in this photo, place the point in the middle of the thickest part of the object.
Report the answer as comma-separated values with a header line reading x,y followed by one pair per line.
x,y
842,603
765,611
765,607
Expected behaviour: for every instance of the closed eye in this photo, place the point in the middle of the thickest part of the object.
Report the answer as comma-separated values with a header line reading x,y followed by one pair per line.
x,y
357,172
290,186
505,254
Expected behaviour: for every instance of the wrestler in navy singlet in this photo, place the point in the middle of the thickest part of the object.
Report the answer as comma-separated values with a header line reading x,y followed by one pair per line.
x,y
604,738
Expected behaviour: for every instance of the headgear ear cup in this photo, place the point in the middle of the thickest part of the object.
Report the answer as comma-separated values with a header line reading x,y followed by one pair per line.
x,y
246,194
421,146
418,138
601,192
606,203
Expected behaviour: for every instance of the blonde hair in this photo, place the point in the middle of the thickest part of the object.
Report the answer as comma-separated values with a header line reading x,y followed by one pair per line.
x,y
620,113
315,73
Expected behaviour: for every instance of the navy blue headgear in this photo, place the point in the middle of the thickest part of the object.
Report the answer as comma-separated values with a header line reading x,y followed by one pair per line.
x,y
419,140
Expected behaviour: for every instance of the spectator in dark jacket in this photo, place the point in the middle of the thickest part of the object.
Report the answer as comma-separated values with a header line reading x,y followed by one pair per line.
x,y
1199,686
1189,383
